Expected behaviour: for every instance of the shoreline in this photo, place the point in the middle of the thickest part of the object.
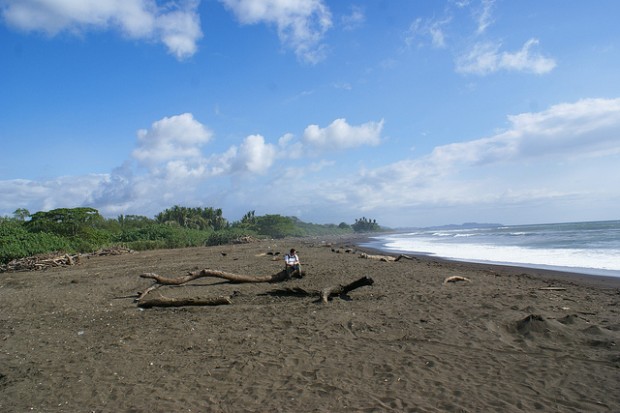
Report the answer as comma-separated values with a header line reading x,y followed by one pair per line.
x,y
603,281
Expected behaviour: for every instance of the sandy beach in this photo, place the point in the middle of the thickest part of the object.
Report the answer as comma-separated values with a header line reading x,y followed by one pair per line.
x,y
510,339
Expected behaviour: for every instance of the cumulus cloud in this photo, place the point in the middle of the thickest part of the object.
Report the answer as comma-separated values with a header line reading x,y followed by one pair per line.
x,y
566,153
340,135
485,58
176,24
254,155
171,138
301,24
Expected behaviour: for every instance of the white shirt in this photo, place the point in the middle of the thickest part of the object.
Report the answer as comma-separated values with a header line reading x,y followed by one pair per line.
x,y
291,259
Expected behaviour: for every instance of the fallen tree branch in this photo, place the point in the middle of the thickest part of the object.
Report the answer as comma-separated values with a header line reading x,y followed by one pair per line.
x,y
143,294
327,293
234,278
180,302
343,290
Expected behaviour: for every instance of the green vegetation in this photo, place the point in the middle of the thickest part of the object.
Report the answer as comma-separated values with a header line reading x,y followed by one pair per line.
x,y
365,225
81,230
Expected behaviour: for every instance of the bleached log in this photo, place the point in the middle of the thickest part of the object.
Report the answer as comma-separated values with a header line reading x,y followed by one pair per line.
x,y
236,278
455,278
181,302
193,275
385,258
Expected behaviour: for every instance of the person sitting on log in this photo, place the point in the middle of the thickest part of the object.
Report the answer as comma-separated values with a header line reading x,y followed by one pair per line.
x,y
292,264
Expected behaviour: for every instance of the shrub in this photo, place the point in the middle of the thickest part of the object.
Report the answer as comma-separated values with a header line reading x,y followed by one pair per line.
x,y
17,242
226,236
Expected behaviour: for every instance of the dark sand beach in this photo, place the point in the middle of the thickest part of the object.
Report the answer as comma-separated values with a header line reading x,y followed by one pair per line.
x,y
511,340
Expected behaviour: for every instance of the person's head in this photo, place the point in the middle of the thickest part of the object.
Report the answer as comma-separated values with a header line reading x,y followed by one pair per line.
x,y
293,252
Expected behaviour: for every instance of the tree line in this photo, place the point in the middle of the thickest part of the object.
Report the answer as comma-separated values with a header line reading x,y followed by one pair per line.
x,y
84,229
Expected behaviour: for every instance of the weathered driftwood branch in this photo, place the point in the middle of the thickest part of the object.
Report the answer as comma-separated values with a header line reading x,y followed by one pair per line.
x,y
343,290
456,278
180,302
384,258
234,278
143,294
325,294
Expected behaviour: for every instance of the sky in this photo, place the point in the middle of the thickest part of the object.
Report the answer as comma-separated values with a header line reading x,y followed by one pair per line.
x,y
413,113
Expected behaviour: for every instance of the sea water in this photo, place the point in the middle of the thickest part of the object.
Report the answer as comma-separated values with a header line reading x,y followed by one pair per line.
x,y
582,247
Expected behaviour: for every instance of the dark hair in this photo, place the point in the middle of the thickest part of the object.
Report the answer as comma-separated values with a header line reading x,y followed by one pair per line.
x,y
293,251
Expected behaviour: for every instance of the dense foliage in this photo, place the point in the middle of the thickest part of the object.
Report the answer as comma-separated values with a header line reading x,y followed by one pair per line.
x,y
83,229
365,225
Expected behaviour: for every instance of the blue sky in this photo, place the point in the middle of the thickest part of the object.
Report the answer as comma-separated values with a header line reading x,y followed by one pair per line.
x,y
414,113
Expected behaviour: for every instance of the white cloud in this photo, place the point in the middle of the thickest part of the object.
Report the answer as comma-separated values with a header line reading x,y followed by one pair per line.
x,y
254,155
340,135
484,16
564,141
179,30
171,138
587,128
558,159
301,24
62,192
355,19
431,28
486,58
176,24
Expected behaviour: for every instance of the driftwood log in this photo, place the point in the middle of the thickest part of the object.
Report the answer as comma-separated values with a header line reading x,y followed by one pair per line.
x,y
343,290
232,277
180,302
384,258
455,279
326,294
235,278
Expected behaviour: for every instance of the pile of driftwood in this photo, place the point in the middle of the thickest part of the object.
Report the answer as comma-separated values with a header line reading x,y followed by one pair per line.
x,y
42,262
246,239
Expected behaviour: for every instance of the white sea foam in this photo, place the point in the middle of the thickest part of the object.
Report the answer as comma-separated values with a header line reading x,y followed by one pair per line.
x,y
581,260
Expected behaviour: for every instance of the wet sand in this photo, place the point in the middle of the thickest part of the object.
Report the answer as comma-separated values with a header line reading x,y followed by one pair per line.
x,y
512,339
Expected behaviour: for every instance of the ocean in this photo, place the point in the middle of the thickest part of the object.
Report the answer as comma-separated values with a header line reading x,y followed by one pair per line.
x,y
581,247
